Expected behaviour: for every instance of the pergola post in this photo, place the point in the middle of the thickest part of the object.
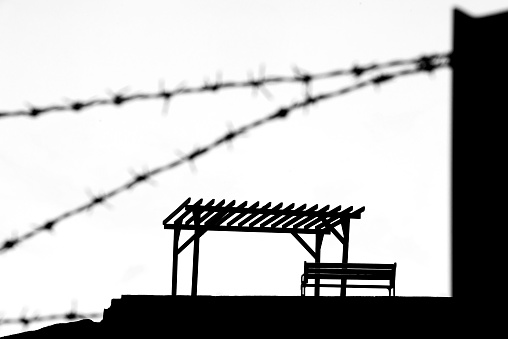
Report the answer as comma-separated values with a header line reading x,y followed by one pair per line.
x,y
176,236
317,257
195,264
345,250
195,257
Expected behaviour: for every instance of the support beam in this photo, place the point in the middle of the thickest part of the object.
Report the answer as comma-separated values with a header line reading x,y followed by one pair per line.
x,y
345,252
337,235
191,239
304,244
175,212
259,229
176,236
317,258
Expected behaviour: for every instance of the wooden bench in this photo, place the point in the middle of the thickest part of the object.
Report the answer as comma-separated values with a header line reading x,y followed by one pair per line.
x,y
349,271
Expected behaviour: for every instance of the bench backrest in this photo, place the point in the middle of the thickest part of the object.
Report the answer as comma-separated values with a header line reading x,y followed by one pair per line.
x,y
349,271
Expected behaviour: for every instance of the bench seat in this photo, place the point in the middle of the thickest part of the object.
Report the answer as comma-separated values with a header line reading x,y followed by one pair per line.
x,y
348,271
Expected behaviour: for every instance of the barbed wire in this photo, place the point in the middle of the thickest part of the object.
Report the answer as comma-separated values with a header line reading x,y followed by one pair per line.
x,y
426,64
71,315
68,316
257,84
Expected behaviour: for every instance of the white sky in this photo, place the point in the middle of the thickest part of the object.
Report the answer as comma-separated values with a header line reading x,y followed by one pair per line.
x,y
387,149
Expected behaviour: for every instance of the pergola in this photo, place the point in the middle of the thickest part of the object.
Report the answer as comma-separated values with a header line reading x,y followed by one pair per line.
x,y
252,218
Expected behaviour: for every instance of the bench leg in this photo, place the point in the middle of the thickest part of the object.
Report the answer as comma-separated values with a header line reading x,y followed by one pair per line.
x,y
302,288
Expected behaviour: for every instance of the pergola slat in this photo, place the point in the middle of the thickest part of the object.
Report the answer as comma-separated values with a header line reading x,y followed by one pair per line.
x,y
259,218
339,220
178,209
205,216
224,219
186,213
285,218
269,214
316,220
358,213
329,221
256,222
234,214
313,224
208,214
292,221
276,209
242,215
303,221
278,215
336,213
252,215
322,222
311,217
219,216
296,218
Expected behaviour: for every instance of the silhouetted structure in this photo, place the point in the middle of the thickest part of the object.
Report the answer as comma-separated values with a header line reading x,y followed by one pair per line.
x,y
243,218
480,70
349,271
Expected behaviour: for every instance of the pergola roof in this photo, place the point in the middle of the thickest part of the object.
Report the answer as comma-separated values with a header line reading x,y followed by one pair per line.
x,y
252,218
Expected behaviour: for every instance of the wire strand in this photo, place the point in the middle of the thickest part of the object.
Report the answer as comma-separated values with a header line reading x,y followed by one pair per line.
x,y
116,99
68,316
280,113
